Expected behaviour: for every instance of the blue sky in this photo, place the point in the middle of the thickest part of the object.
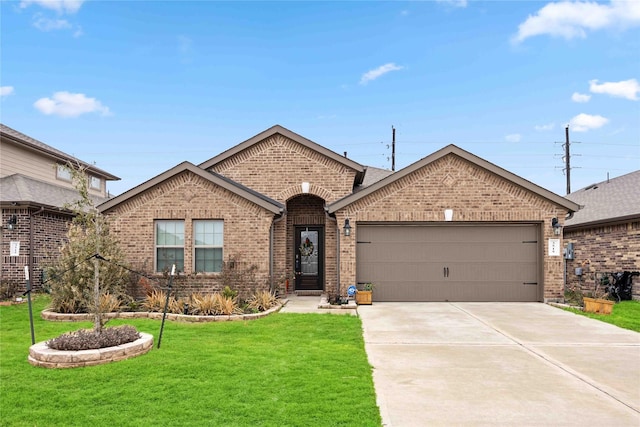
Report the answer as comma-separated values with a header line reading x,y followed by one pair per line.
x,y
139,86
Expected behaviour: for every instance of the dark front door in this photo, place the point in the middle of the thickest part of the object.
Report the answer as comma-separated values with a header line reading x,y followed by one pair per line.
x,y
309,258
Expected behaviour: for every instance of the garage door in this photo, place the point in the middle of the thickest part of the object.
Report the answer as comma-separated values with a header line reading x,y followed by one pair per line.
x,y
450,263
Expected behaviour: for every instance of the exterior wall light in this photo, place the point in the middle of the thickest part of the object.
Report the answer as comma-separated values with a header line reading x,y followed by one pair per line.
x,y
11,223
557,228
305,187
347,227
448,214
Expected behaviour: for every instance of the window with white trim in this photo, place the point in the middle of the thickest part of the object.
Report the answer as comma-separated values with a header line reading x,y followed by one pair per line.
x,y
208,238
169,245
63,172
95,183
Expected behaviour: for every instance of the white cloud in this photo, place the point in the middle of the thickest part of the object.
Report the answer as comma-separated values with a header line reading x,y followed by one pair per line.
x,y
514,137
378,72
575,19
584,122
60,6
65,104
6,90
580,97
45,24
628,89
454,3
543,128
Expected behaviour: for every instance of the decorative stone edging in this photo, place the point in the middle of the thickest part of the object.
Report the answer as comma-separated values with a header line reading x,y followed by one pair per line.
x,y
80,317
41,355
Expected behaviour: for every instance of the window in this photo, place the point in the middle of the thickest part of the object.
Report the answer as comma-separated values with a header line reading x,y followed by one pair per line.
x,y
63,173
95,183
169,245
208,241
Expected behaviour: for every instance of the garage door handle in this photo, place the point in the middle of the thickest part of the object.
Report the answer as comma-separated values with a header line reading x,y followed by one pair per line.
x,y
445,271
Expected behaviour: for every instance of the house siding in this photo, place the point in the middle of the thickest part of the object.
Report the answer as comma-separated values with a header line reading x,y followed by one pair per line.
x,y
475,195
189,197
603,249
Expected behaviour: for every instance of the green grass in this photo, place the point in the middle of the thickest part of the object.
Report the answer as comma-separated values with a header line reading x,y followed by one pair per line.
x,y
282,370
625,314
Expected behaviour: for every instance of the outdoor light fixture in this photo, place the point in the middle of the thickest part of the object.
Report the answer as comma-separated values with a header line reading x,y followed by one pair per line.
x,y
305,187
556,226
11,223
347,227
448,214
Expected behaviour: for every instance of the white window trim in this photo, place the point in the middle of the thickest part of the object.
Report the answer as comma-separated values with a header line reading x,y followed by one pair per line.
x,y
156,246
195,246
62,172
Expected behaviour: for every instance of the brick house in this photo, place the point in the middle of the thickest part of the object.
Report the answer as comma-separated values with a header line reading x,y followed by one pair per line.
x,y
605,232
34,188
450,227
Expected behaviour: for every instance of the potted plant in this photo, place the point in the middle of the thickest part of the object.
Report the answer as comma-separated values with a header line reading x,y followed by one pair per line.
x,y
597,302
364,294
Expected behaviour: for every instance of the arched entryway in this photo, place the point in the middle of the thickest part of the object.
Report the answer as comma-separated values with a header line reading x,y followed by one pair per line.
x,y
306,242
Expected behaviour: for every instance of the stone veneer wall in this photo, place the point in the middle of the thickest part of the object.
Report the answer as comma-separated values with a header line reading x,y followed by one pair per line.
x,y
49,234
603,249
474,194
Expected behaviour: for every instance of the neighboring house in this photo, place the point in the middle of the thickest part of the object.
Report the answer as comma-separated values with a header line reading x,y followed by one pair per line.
x,y
34,188
450,227
605,232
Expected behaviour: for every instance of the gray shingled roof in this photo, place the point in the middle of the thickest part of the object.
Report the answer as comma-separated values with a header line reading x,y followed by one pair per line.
x,y
373,175
21,138
611,200
24,190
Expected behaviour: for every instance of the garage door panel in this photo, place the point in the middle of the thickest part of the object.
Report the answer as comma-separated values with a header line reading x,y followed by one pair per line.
x,y
450,263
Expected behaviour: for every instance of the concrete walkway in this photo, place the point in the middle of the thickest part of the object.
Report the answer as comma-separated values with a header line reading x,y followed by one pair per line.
x,y
524,364
309,304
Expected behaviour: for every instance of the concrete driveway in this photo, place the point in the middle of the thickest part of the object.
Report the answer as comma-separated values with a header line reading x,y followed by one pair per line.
x,y
524,364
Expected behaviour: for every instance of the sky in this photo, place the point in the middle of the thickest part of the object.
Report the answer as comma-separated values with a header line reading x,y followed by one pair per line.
x,y
137,87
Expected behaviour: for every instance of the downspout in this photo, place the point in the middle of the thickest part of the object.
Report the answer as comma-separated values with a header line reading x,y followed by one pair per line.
x,y
31,251
271,247
337,249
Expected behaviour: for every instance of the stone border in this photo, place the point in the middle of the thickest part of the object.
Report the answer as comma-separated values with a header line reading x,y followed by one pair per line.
x,y
41,355
81,317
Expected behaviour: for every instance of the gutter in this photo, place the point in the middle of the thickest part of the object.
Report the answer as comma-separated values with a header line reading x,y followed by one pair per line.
x,y
329,217
31,251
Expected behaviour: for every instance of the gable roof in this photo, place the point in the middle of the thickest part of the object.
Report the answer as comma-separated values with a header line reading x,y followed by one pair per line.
x,y
23,190
217,179
277,129
53,153
452,149
616,199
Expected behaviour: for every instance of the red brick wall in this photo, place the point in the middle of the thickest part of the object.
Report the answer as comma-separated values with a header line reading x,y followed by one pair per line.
x,y
474,194
49,234
603,249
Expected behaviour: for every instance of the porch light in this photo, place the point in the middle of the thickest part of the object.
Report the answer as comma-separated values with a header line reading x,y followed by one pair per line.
x,y
305,187
347,227
556,226
11,222
448,214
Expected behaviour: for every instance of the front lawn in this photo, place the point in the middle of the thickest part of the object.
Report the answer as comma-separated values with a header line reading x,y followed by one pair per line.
x,y
625,314
282,370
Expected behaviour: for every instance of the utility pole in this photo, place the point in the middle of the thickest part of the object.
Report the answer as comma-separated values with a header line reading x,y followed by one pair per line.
x,y
567,159
393,148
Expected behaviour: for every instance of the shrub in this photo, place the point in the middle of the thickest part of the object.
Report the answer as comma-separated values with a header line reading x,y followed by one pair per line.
x,y
226,306
262,301
204,305
8,289
87,339
155,301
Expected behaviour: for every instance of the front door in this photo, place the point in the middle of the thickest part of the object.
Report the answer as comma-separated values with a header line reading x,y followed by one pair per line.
x,y
309,258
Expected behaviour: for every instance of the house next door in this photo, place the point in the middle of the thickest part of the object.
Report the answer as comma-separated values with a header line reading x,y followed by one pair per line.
x,y
309,258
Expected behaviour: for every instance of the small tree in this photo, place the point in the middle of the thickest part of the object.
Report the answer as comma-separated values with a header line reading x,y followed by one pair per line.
x,y
81,281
